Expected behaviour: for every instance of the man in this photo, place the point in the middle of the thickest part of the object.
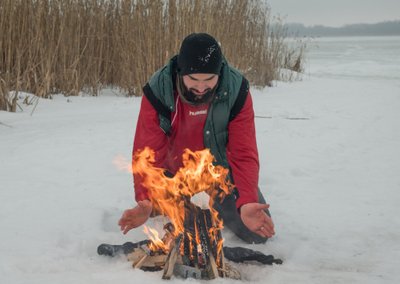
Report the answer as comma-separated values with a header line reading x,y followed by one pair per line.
x,y
198,101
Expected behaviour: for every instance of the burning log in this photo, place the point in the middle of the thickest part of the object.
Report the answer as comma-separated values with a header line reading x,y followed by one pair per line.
x,y
171,259
147,260
196,249
148,257
195,253
193,244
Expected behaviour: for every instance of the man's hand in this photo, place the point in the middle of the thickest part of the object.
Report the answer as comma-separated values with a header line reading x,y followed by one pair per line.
x,y
255,218
135,217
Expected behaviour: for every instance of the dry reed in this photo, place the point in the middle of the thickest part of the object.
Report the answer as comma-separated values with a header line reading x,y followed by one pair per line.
x,y
68,46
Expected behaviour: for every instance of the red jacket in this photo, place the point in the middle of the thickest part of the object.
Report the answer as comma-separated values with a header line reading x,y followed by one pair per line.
x,y
187,132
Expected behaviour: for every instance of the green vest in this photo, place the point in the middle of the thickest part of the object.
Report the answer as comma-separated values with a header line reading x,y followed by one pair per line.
x,y
229,98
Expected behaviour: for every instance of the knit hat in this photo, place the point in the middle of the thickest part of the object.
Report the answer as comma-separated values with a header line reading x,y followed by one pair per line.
x,y
199,53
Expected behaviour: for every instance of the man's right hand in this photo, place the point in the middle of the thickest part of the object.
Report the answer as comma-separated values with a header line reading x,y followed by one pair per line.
x,y
135,217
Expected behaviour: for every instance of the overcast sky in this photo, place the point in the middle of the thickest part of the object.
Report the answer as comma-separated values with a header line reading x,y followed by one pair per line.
x,y
336,13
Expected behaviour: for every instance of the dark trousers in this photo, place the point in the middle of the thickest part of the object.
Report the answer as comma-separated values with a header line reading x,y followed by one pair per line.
x,y
231,218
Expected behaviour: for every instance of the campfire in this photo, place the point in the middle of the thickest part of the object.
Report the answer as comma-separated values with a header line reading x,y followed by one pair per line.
x,y
184,258
192,245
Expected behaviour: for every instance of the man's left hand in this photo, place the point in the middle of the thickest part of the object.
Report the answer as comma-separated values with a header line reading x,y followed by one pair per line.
x,y
256,219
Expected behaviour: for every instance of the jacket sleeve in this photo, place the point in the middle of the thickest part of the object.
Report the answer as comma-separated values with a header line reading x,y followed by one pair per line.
x,y
242,154
148,134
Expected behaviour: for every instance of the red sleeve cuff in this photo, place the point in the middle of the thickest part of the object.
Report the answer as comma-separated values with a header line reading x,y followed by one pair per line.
x,y
141,196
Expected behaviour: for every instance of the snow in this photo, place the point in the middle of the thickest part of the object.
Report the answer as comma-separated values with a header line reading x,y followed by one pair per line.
x,y
329,152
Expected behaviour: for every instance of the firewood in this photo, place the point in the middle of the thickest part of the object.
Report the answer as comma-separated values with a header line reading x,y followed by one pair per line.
x,y
136,255
213,273
223,265
140,262
171,259
196,252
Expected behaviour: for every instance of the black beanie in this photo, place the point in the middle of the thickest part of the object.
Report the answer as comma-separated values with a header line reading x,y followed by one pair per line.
x,y
199,53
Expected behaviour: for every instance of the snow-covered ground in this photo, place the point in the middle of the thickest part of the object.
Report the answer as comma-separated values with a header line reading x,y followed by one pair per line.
x,y
330,161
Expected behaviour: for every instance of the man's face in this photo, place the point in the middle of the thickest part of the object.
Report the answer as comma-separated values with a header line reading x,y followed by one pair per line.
x,y
200,84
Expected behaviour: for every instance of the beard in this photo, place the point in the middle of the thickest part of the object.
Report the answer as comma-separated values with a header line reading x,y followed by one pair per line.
x,y
189,96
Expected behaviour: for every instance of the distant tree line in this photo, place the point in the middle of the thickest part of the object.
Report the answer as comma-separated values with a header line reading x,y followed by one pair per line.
x,y
68,46
390,28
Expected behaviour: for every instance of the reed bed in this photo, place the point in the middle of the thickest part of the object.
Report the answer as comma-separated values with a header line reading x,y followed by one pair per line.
x,y
70,46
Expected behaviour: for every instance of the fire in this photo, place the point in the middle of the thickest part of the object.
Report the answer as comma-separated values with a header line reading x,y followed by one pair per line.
x,y
156,242
122,164
170,195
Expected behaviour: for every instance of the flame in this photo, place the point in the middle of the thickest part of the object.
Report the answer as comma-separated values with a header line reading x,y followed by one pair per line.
x,y
168,195
122,164
156,242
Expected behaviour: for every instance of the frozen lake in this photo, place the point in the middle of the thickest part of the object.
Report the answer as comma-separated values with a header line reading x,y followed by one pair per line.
x,y
329,157
370,58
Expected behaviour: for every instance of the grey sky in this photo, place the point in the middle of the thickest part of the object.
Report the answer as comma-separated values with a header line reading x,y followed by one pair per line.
x,y
336,12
